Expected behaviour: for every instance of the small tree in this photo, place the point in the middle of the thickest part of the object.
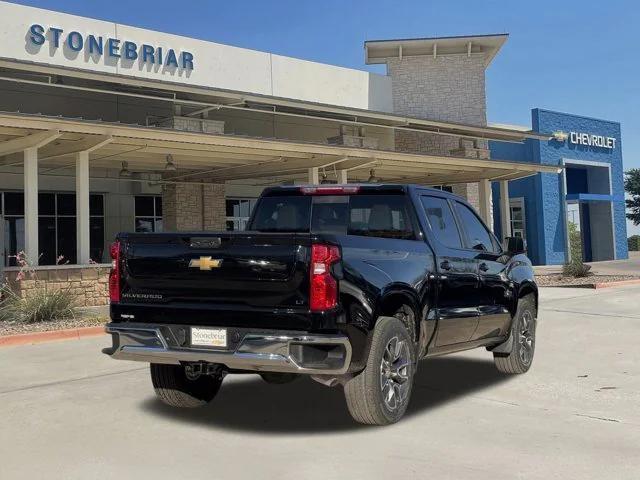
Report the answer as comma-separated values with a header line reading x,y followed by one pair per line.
x,y
632,187
575,243
576,267
634,243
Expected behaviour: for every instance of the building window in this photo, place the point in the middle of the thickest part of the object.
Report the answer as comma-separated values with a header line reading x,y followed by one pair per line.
x,y
148,213
444,188
238,212
56,227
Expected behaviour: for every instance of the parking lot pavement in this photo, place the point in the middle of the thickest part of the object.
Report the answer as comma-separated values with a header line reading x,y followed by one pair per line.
x,y
68,412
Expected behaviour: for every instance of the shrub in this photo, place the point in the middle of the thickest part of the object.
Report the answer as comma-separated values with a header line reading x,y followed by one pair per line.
x,y
37,305
634,243
576,269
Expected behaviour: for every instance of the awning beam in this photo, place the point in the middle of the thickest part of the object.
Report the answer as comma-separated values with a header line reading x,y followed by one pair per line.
x,y
35,140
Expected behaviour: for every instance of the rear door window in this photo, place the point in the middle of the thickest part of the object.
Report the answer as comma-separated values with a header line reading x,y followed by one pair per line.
x,y
478,237
441,221
383,216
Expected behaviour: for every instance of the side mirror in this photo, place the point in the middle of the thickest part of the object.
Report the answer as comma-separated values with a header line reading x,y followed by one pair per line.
x,y
515,245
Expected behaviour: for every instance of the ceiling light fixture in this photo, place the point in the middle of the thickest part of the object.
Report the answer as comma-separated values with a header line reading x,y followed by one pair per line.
x,y
372,177
124,171
324,180
170,166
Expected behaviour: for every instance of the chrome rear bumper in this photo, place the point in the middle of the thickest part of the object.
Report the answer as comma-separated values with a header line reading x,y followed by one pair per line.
x,y
261,352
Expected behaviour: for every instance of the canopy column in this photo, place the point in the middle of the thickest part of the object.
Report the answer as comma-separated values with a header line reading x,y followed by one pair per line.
x,y
505,209
342,176
484,200
29,145
31,248
82,207
314,177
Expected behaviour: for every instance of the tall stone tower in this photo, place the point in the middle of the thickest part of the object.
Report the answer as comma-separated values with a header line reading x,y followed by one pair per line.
x,y
439,79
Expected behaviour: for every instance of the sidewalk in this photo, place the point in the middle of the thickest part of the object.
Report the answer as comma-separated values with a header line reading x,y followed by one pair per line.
x,y
631,266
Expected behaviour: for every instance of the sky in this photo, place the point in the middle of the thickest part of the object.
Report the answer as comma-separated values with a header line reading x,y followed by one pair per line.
x,y
579,57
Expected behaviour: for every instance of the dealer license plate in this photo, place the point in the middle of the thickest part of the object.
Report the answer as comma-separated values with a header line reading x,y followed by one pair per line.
x,y
209,337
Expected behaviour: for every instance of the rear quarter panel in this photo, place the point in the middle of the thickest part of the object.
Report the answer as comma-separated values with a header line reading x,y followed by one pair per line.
x,y
374,269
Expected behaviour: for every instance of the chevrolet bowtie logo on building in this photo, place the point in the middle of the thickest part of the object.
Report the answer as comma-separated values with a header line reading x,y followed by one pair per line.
x,y
560,136
205,263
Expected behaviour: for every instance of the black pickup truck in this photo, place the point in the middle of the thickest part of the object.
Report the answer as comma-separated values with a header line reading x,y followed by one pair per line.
x,y
350,284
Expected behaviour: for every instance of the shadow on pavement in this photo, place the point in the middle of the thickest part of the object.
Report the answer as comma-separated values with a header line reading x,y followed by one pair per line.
x,y
305,406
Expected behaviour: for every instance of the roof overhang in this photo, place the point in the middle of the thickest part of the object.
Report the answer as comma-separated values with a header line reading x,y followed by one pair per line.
x,y
379,51
198,98
222,158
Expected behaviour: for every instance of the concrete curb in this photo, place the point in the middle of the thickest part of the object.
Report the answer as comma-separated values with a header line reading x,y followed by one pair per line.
x,y
50,336
620,283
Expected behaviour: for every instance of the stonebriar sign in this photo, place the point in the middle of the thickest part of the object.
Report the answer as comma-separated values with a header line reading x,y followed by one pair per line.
x,y
115,48
45,41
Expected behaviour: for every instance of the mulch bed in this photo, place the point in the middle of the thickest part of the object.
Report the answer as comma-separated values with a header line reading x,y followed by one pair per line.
x,y
560,281
13,328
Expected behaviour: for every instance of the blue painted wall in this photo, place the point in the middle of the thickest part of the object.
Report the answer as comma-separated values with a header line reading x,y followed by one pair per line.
x,y
545,222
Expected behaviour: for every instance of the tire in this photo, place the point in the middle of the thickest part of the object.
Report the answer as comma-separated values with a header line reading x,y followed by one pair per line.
x,y
279,378
368,394
172,386
523,335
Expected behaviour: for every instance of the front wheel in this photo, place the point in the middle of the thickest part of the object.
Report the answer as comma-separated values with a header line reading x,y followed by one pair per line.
x,y
523,337
175,388
380,394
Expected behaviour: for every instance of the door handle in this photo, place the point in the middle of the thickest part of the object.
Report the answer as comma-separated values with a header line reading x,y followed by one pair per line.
x,y
445,265
483,267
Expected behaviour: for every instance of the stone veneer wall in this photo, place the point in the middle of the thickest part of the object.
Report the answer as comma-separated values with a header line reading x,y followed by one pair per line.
x,y
449,88
90,284
215,210
193,207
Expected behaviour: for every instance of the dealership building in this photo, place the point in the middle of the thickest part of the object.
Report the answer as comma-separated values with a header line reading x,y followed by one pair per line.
x,y
106,128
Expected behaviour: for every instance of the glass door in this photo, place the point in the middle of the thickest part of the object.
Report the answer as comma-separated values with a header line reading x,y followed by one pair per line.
x,y
518,227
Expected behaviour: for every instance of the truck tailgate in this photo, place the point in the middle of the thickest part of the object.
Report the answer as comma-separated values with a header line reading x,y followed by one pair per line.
x,y
227,268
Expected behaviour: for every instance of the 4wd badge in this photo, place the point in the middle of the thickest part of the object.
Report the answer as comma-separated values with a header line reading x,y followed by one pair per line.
x,y
205,263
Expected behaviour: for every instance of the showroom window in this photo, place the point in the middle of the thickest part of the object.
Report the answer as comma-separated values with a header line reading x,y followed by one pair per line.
x,y
148,213
238,212
56,227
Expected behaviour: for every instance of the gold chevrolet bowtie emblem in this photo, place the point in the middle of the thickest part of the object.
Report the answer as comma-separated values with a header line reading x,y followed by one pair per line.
x,y
205,263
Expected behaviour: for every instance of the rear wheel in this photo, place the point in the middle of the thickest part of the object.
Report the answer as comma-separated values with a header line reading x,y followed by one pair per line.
x,y
523,336
380,394
175,388
279,378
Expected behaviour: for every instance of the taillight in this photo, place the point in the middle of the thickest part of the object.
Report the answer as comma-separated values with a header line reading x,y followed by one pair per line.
x,y
114,275
324,288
